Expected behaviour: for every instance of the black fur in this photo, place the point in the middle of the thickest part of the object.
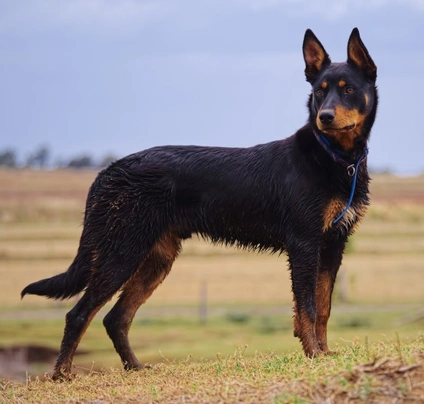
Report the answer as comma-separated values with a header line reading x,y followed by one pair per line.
x,y
278,197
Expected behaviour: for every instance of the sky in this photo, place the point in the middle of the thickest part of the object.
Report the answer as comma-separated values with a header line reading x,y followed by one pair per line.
x,y
109,76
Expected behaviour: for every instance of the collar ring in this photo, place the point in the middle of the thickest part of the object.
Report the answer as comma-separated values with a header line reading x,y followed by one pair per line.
x,y
351,170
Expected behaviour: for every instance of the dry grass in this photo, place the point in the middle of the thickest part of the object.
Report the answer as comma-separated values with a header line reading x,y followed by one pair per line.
x,y
378,373
43,196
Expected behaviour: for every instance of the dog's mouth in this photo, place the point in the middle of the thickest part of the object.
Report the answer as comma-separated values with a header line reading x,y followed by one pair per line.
x,y
344,135
334,128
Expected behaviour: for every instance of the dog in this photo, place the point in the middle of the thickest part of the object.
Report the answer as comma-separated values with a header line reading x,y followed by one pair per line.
x,y
303,195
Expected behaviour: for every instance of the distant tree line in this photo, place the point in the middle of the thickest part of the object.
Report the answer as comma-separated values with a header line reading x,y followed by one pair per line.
x,y
42,159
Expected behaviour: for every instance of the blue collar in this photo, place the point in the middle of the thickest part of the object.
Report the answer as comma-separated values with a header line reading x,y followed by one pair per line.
x,y
339,156
351,169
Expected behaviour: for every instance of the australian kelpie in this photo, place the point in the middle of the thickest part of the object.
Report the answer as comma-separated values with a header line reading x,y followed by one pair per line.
x,y
303,195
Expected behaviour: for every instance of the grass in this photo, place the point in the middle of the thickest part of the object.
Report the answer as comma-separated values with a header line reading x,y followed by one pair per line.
x,y
177,337
376,373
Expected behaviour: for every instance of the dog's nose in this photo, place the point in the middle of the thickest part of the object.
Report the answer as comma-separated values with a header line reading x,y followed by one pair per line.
x,y
326,117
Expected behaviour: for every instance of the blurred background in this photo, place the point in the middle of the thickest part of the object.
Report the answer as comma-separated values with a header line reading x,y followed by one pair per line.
x,y
85,82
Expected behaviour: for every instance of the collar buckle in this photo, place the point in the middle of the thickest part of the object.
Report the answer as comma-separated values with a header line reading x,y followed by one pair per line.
x,y
351,170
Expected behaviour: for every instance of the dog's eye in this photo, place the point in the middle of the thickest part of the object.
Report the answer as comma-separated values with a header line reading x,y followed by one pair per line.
x,y
319,92
349,90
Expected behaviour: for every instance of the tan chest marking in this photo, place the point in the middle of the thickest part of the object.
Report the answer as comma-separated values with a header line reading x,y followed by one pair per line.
x,y
350,219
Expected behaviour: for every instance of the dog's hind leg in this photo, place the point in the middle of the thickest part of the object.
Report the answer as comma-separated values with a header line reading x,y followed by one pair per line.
x,y
136,291
101,287
330,260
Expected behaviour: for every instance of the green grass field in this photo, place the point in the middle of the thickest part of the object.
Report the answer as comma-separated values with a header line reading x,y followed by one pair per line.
x,y
379,289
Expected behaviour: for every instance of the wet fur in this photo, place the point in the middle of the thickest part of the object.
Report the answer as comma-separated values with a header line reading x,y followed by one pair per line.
x,y
279,197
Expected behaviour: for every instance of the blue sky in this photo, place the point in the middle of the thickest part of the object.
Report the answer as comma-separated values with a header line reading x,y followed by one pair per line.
x,y
104,76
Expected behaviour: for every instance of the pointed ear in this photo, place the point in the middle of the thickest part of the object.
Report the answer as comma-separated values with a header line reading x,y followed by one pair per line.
x,y
315,56
358,55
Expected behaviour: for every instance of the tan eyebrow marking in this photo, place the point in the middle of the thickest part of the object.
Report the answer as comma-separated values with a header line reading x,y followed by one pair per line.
x,y
324,85
342,83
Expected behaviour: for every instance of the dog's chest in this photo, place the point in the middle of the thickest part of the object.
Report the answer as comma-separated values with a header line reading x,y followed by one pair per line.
x,y
349,221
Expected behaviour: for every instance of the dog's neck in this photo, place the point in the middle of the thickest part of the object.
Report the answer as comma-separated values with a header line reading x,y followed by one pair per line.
x,y
339,156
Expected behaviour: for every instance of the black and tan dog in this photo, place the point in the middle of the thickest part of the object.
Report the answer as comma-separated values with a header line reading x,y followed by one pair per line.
x,y
303,195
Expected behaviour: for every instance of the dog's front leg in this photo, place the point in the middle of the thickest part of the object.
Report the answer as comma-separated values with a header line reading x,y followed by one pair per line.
x,y
324,289
331,254
304,277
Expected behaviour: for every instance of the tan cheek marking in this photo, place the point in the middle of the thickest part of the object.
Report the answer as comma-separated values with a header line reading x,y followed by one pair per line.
x,y
367,99
346,117
342,83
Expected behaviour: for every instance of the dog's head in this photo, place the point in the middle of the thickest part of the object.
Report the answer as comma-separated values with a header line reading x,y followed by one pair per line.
x,y
343,101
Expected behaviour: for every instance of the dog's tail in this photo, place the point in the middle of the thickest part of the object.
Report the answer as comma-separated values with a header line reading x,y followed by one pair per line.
x,y
62,286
